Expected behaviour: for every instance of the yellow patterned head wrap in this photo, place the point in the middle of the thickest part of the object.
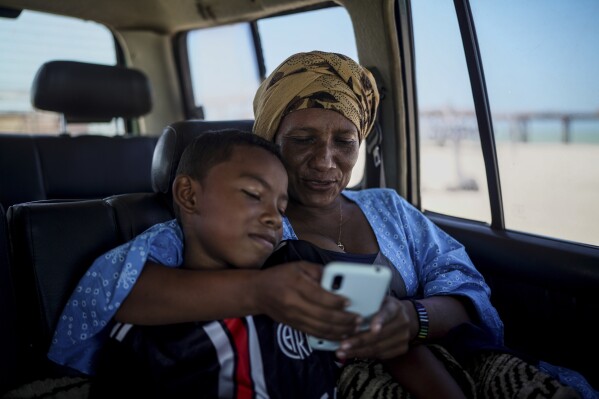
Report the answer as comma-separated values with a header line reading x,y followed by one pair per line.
x,y
316,80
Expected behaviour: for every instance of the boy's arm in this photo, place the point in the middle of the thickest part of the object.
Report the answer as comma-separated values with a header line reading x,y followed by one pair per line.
x,y
288,293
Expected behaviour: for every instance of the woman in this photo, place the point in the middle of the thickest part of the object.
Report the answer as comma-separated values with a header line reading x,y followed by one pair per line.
x,y
318,107
319,128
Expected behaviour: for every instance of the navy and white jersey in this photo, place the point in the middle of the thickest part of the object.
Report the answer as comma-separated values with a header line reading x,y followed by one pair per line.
x,y
250,357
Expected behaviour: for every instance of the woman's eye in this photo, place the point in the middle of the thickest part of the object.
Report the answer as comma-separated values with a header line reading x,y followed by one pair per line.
x,y
346,142
303,140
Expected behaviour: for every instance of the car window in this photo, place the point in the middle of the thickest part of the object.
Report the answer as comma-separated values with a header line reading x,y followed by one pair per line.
x,y
540,59
224,68
29,41
286,35
224,71
452,172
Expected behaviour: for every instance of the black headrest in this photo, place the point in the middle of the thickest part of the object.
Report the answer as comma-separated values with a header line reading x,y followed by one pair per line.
x,y
173,141
89,92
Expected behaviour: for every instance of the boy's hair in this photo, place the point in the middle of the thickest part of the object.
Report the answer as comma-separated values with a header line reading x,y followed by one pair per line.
x,y
214,147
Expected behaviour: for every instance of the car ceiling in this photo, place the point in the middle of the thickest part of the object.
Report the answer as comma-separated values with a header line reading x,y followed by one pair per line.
x,y
162,16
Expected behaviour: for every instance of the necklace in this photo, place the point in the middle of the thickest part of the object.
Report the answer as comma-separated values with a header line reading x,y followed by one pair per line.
x,y
341,246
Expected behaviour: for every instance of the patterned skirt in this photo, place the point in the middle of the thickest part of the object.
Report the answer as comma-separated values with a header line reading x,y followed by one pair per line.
x,y
487,375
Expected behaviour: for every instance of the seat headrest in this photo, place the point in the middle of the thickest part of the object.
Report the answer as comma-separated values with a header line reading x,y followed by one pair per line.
x,y
173,141
91,93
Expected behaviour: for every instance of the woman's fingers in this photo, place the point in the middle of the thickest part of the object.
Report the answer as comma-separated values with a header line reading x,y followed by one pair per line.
x,y
389,335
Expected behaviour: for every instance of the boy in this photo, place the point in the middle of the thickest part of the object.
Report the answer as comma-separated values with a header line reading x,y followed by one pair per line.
x,y
230,194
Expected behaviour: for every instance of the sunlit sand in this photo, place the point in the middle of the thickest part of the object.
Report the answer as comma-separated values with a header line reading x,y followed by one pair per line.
x,y
550,189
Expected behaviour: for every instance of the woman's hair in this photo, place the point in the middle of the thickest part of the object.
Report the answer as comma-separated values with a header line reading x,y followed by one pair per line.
x,y
214,147
316,79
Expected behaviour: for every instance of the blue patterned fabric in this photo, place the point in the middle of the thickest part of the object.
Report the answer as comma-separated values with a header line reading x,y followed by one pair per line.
x,y
429,260
87,318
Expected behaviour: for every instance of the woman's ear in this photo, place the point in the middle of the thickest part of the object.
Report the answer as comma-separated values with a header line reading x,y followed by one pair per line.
x,y
186,193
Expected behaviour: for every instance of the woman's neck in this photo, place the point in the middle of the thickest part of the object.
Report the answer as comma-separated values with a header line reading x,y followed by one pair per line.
x,y
319,225
339,226
300,213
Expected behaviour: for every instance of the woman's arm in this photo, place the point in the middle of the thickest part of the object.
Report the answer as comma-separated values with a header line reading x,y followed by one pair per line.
x,y
288,293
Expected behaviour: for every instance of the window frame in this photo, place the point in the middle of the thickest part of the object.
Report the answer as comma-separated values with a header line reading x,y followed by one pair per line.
x,y
482,110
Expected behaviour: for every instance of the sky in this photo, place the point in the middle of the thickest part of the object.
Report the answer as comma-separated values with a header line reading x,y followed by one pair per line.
x,y
536,54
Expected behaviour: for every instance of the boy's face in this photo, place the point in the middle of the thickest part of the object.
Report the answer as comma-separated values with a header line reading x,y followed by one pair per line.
x,y
238,211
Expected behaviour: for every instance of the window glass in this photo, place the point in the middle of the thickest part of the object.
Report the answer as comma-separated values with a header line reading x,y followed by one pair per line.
x,y
223,63
286,35
224,71
33,39
452,172
540,59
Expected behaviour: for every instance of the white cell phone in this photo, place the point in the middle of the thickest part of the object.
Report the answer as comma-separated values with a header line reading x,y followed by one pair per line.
x,y
364,285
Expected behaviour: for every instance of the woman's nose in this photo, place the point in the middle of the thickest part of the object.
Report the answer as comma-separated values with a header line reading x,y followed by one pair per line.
x,y
323,157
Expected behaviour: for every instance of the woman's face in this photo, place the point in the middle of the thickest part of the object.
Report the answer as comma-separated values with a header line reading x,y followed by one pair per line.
x,y
320,148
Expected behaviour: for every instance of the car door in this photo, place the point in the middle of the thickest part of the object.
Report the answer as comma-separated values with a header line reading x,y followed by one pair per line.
x,y
507,131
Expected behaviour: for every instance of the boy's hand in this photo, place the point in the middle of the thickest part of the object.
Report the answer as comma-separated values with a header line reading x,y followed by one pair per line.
x,y
291,294
388,337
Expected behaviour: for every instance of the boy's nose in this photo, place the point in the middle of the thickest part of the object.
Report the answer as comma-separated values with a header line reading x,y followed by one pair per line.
x,y
272,217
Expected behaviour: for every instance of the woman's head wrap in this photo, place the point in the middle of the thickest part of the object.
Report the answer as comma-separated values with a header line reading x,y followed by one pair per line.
x,y
316,80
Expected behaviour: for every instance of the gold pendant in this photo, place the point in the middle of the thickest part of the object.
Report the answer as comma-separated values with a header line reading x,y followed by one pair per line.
x,y
341,246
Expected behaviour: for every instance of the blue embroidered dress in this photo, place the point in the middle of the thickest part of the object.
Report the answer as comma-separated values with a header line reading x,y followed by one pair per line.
x,y
429,261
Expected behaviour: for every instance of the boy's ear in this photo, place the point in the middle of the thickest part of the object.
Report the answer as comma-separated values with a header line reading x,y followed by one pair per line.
x,y
185,193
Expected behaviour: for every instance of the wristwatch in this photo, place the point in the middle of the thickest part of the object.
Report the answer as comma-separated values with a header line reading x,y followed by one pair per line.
x,y
422,320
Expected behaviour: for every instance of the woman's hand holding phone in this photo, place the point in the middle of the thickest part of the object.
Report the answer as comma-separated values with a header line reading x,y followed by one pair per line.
x,y
364,285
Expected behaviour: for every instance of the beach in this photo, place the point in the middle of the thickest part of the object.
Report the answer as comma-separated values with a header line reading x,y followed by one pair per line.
x,y
549,189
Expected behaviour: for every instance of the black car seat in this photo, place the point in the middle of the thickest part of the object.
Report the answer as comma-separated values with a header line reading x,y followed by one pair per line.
x,y
52,245
8,334
41,166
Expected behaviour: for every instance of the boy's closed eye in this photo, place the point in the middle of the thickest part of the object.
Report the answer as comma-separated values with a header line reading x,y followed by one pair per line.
x,y
252,194
256,196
